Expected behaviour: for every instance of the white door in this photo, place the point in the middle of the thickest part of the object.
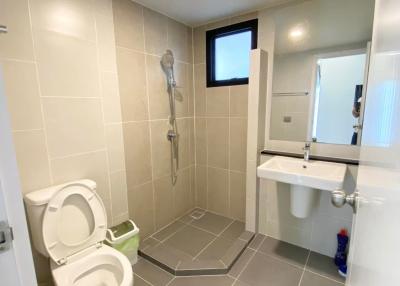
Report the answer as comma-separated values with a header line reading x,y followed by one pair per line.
x,y
375,248
16,263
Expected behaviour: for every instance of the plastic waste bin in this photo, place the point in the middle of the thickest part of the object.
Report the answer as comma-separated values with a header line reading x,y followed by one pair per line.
x,y
124,238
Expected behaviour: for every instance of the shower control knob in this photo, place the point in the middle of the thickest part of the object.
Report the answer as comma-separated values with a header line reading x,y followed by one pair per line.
x,y
171,135
339,198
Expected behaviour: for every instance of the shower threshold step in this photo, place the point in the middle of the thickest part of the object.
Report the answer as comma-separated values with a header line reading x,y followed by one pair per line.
x,y
207,244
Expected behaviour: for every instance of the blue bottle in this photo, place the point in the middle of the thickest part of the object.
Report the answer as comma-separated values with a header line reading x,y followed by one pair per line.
x,y
341,254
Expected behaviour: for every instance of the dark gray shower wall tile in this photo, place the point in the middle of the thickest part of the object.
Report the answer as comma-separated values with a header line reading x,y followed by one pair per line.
x,y
264,270
168,230
324,266
284,251
151,273
218,280
212,222
233,231
311,279
190,240
256,242
241,262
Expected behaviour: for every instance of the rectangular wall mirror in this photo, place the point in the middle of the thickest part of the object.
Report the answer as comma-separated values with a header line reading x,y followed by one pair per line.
x,y
321,59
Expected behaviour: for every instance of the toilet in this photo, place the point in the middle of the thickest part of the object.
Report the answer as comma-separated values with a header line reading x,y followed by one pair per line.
x,y
68,224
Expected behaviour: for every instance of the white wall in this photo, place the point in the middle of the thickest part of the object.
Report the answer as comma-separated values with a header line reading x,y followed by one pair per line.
x,y
339,77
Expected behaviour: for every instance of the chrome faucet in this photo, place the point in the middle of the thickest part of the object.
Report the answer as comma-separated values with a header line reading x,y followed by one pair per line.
x,y
306,150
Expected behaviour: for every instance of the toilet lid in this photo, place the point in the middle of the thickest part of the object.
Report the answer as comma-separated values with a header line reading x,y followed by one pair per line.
x,y
74,220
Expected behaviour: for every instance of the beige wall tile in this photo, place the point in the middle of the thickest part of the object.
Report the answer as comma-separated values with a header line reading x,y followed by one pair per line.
x,y
177,40
219,24
111,98
217,101
184,142
189,75
33,164
155,32
91,166
104,7
106,43
161,148
141,208
119,193
193,184
217,142
137,153
22,93
238,100
164,201
128,24
73,18
201,186
132,84
183,200
73,125
17,43
238,144
201,141
158,96
237,195
199,42
67,66
182,92
192,150
200,89
115,147
218,192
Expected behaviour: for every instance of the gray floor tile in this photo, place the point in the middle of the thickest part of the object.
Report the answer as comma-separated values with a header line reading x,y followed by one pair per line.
x,y
264,270
148,242
241,262
168,231
311,279
139,281
246,235
234,231
167,255
240,283
221,280
284,251
324,266
212,222
216,250
236,248
151,273
190,240
256,242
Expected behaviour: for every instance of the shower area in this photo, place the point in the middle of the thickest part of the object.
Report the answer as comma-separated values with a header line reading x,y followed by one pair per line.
x,y
184,145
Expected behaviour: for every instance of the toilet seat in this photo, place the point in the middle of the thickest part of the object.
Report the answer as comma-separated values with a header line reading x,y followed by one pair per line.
x,y
105,266
74,220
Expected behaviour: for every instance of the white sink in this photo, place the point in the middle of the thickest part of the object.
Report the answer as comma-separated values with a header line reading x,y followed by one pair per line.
x,y
305,179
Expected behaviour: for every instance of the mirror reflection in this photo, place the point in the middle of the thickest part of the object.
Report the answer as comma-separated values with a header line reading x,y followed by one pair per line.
x,y
321,58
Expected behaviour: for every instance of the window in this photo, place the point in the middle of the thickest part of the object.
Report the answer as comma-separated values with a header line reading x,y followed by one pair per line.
x,y
228,51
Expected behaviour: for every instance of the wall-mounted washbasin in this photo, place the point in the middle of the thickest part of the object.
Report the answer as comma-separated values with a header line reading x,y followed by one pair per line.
x,y
305,179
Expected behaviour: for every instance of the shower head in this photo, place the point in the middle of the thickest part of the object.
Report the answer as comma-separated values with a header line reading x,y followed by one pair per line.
x,y
167,64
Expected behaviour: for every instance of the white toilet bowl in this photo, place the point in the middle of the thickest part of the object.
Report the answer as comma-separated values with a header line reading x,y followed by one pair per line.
x,y
103,267
69,224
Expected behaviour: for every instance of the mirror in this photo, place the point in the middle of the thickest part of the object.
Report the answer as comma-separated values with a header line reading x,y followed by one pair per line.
x,y
321,58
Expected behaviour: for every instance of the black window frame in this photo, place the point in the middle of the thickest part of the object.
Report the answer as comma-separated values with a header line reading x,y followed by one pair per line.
x,y
212,35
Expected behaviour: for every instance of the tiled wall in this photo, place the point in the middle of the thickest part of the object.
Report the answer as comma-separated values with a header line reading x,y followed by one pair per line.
x,y
58,62
221,134
142,36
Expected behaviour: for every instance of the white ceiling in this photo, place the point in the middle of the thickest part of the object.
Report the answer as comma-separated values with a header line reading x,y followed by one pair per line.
x,y
197,12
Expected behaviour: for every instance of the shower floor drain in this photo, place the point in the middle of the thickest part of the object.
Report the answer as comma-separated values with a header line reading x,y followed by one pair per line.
x,y
197,214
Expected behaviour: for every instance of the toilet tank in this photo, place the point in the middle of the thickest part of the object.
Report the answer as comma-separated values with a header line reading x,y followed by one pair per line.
x,y
36,204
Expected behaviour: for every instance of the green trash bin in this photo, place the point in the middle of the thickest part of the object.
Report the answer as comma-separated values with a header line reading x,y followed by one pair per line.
x,y
124,238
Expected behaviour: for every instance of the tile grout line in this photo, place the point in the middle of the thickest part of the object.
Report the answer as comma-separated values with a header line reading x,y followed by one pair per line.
x,y
142,278
202,250
304,268
326,277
